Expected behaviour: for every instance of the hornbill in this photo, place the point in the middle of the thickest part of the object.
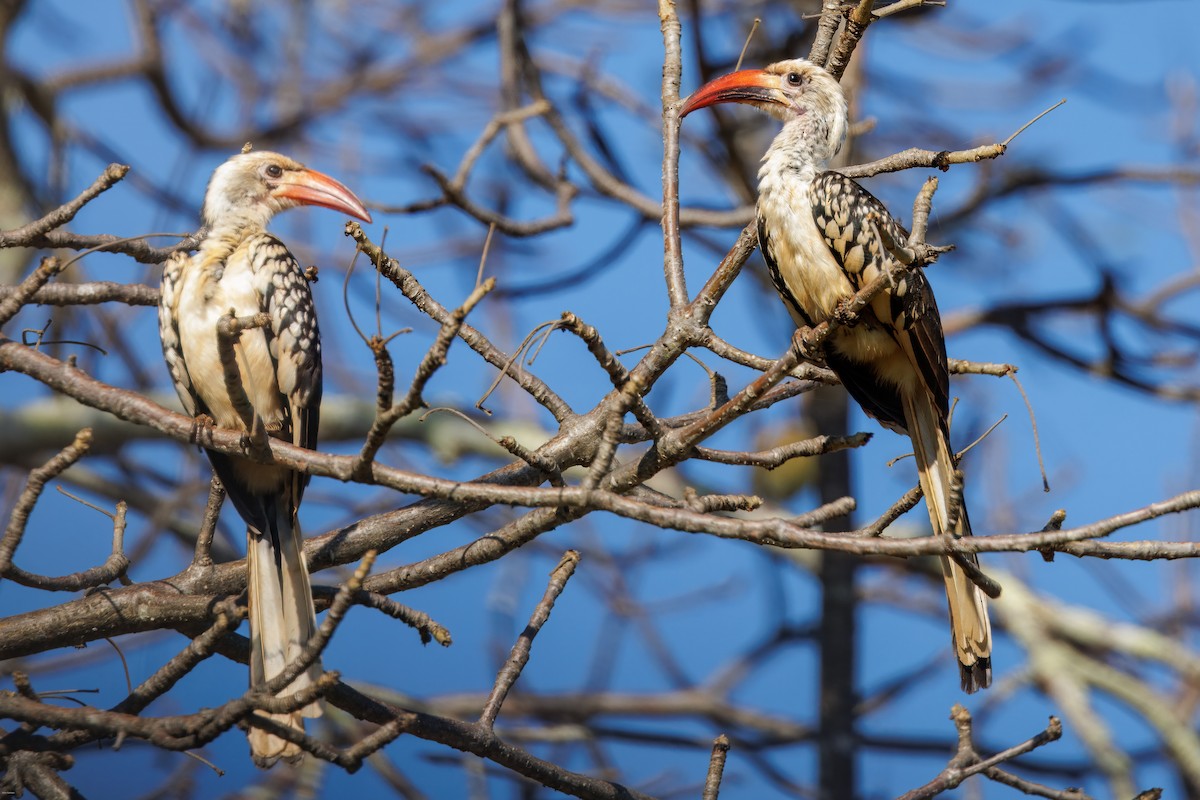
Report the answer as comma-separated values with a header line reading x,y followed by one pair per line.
x,y
269,378
823,238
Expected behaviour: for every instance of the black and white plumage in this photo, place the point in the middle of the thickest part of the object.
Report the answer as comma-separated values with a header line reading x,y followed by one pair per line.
x,y
819,233
242,269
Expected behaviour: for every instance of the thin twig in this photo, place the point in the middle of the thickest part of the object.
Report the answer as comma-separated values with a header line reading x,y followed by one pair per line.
x,y
519,656
716,767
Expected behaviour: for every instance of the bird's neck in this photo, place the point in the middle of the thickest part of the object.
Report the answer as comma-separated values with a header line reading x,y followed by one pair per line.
x,y
792,161
805,146
227,235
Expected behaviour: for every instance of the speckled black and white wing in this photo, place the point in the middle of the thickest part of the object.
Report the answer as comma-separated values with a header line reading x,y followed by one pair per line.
x,y
294,339
850,218
168,330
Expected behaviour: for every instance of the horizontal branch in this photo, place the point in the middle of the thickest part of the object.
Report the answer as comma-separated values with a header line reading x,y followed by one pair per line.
x,y
135,408
86,294
65,213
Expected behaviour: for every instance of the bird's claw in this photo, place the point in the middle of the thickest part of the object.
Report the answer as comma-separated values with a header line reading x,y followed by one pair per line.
x,y
202,426
255,444
810,345
843,314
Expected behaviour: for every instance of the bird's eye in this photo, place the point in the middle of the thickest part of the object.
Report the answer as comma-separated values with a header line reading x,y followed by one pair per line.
x,y
794,78
273,171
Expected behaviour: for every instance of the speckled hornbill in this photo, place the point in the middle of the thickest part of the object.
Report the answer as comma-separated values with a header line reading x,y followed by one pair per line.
x,y
242,269
819,233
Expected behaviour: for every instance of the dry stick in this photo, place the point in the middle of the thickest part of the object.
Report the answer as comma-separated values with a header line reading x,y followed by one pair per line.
x,y
672,71
112,568
487,246
426,626
434,359
922,207
1037,439
60,216
1029,787
676,445
634,433
38,772
502,120
12,303
229,616
831,15
708,503
352,757
561,218
119,520
173,732
89,293
229,331
904,5
716,763
777,456
484,550
719,386
512,58
725,273
988,585
906,503
202,557
857,21
978,439
746,44
914,252
385,369
533,459
916,158
610,438
530,457
519,656
1022,129
959,366
604,181
967,762
412,289
810,374
377,343
474,738
133,246
616,372
111,244
544,329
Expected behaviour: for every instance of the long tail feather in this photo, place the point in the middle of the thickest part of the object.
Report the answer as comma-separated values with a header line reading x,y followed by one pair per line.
x,y
282,619
970,628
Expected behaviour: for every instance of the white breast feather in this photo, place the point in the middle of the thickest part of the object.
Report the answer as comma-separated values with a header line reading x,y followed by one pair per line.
x,y
198,338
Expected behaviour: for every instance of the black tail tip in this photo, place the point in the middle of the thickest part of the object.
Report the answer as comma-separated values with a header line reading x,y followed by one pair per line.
x,y
976,676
